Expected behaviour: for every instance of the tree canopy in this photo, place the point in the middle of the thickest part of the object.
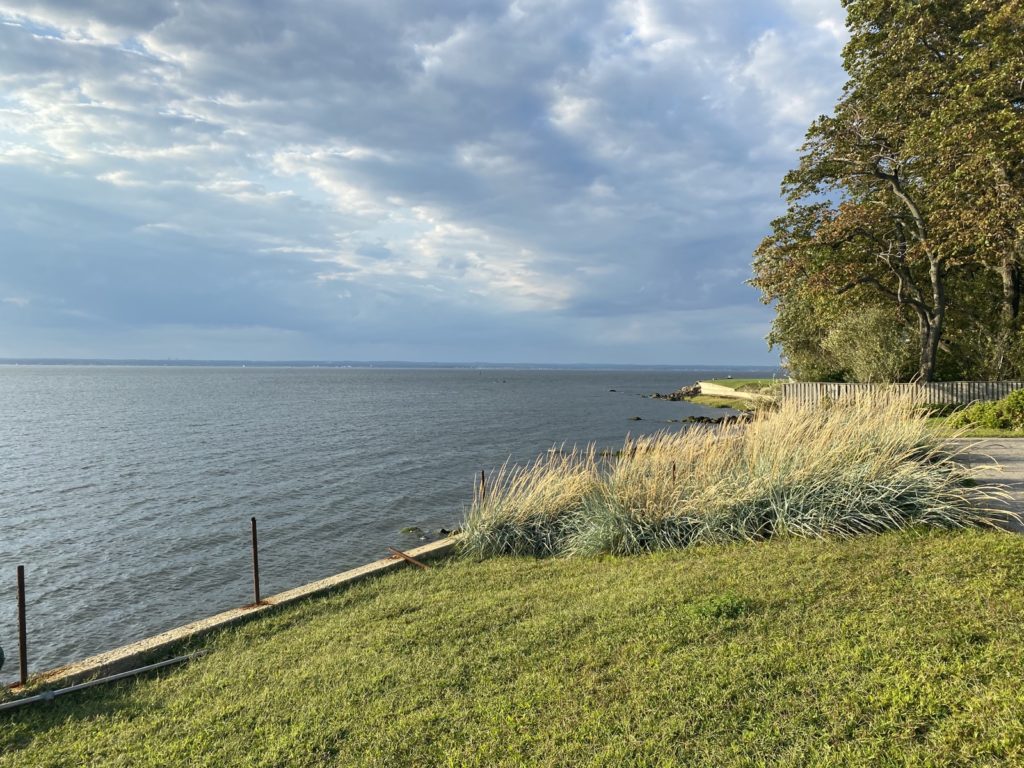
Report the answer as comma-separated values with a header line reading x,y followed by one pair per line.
x,y
905,221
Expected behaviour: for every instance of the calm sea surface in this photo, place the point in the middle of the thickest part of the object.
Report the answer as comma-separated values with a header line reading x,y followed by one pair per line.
x,y
126,492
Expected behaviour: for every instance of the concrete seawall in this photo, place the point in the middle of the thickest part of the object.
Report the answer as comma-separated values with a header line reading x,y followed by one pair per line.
x,y
144,651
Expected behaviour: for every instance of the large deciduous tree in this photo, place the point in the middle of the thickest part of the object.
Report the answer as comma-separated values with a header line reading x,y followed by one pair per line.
x,y
911,191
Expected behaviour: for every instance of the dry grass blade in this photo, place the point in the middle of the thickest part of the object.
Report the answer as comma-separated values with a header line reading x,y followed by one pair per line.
x,y
864,465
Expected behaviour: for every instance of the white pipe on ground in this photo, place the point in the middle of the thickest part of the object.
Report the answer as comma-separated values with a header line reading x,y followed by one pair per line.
x,y
50,695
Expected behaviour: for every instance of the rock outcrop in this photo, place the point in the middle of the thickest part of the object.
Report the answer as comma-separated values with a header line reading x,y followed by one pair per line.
x,y
680,394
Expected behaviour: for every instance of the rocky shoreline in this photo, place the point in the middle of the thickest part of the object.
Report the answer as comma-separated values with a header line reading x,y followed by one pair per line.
x,y
740,418
685,393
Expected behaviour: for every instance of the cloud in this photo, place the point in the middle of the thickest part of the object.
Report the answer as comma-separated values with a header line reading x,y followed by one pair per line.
x,y
456,179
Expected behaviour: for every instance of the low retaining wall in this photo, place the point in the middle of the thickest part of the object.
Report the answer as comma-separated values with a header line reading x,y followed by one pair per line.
x,y
137,654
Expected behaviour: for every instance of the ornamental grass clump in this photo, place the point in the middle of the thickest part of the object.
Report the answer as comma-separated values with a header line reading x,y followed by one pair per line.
x,y
529,510
649,496
864,465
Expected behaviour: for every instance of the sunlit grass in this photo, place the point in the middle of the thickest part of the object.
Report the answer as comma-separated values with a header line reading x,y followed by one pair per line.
x,y
716,401
898,649
864,465
744,385
529,508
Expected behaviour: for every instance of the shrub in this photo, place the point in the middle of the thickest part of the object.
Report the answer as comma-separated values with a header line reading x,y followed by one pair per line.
x,y
973,415
859,466
939,409
1007,413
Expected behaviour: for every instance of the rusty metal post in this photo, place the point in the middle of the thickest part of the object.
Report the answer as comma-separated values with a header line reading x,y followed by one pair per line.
x,y
22,632
483,486
408,558
255,564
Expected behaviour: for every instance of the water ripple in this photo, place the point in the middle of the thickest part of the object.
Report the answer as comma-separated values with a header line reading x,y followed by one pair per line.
x,y
127,492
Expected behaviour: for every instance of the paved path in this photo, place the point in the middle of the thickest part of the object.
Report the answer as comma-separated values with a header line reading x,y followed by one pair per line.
x,y
999,460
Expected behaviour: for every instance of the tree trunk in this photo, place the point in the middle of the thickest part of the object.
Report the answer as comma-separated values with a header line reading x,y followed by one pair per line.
x,y
932,322
1010,274
931,335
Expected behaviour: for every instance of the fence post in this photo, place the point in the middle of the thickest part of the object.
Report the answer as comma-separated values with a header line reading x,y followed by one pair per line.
x,y
934,392
255,564
483,486
22,632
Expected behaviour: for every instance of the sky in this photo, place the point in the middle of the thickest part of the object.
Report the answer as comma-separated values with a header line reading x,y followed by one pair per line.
x,y
548,181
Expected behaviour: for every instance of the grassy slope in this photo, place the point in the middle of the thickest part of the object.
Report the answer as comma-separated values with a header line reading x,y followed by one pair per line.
x,y
739,402
713,401
901,648
743,385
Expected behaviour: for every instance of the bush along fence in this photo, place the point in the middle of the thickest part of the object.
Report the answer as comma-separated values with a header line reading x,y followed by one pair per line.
x,y
934,392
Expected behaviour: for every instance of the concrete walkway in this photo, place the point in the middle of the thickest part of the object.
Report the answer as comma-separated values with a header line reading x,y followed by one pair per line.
x,y
1001,461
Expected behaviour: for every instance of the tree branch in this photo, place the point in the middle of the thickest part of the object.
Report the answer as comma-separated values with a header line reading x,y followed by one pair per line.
x,y
920,306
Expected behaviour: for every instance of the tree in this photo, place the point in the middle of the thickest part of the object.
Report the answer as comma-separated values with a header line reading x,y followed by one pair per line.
x,y
952,74
870,344
876,235
914,183
976,140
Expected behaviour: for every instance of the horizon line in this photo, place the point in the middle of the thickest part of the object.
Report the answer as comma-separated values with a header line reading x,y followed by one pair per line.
x,y
236,362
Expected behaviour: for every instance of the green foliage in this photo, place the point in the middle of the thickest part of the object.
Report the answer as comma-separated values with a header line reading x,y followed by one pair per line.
x,y
725,606
871,345
883,650
984,415
1007,413
911,191
801,323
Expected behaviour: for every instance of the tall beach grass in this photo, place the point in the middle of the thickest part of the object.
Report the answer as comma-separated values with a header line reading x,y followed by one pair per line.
x,y
860,466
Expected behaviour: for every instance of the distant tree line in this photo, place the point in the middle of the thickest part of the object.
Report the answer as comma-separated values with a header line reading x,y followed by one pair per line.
x,y
901,254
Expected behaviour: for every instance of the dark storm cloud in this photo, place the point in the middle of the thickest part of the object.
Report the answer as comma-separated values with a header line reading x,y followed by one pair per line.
x,y
570,180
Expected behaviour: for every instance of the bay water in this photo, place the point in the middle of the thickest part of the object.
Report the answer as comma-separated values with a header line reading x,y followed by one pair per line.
x,y
126,491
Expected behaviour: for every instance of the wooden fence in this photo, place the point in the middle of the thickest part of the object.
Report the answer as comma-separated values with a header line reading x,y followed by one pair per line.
x,y
936,392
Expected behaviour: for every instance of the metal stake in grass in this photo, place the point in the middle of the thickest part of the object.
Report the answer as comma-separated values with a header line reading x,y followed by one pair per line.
x,y
22,633
483,485
255,564
408,558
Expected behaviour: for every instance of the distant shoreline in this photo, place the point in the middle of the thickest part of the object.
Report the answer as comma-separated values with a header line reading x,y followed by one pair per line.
x,y
365,364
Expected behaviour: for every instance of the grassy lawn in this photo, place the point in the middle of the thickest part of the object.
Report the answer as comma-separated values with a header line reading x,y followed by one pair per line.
x,y
714,401
940,425
895,649
743,385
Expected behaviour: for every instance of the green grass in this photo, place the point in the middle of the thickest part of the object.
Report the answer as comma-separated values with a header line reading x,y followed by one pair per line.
x,y
899,649
744,385
714,401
